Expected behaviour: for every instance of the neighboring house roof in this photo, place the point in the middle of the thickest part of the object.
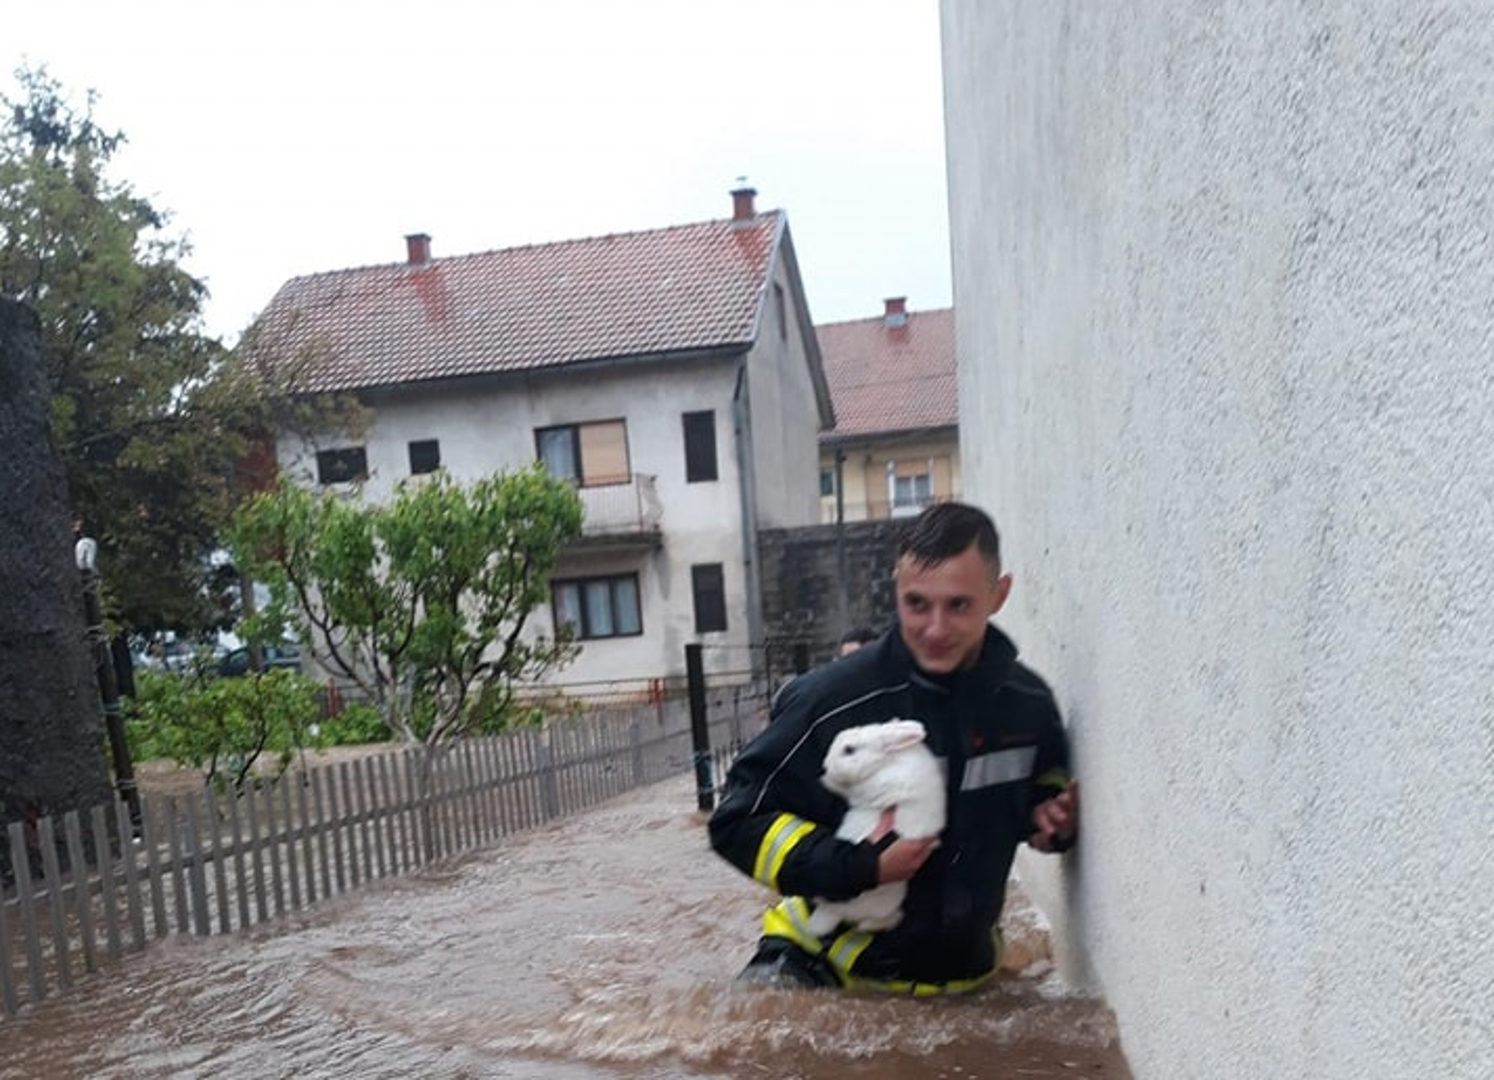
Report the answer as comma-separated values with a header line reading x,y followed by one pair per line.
x,y
683,289
892,374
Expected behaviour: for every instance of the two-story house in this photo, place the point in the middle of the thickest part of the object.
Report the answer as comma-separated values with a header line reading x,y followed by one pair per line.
x,y
672,374
895,447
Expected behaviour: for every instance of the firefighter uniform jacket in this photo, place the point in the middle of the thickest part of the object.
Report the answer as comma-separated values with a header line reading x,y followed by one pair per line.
x,y
997,730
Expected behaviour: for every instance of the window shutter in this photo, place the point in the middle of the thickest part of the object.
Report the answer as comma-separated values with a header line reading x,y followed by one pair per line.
x,y
604,453
877,491
943,479
700,446
425,456
707,584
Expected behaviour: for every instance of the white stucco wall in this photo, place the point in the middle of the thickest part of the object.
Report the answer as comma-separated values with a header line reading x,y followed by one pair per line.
x,y
785,416
1227,273
482,429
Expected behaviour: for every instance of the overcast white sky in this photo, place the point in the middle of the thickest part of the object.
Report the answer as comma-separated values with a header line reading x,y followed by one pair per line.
x,y
293,137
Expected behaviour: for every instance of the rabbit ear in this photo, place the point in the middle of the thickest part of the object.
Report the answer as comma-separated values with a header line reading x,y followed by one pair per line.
x,y
901,734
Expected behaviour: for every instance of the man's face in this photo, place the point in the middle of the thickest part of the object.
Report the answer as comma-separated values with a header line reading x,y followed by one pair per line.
x,y
942,609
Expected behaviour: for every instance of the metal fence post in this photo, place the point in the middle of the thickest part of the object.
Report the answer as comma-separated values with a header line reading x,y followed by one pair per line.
x,y
86,555
700,735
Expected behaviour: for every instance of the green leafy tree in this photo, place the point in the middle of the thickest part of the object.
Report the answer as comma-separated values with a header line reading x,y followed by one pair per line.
x,y
421,602
124,356
155,420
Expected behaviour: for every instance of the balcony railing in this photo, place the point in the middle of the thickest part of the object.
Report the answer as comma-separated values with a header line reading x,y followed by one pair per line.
x,y
623,511
859,510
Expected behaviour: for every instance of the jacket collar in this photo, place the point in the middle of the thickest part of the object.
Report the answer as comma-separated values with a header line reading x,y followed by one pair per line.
x,y
991,669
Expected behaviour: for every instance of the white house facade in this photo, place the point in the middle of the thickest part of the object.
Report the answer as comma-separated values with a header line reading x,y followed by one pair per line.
x,y
685,409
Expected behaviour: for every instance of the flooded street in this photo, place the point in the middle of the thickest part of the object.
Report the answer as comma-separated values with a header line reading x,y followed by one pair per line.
x,y
602,946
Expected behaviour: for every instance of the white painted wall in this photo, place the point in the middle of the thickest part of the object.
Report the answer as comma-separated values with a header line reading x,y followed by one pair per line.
x,y
1227,273
785,416
482,430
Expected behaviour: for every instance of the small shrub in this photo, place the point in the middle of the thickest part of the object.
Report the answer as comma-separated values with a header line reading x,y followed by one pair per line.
x,y
230,728
356,725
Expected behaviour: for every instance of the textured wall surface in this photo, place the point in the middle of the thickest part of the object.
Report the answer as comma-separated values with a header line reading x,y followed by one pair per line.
x,y
1225,297
803,571
51,725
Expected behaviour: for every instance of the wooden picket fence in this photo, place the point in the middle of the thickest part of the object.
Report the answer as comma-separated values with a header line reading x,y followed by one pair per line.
x,y
91,887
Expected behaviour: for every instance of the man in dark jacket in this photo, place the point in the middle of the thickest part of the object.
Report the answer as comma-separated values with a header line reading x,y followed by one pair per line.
x,y
993,723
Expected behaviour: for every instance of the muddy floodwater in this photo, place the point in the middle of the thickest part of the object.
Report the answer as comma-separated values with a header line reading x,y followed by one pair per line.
x,y
602,946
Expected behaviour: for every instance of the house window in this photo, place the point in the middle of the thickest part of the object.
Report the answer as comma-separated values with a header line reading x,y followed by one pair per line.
x,y
709,590
700,446
588,454
780,308
425,456
910,486
827,481
600,607
341,466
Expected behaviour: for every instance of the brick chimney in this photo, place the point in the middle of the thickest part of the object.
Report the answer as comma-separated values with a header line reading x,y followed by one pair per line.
x,y
896,314
418,248
741,201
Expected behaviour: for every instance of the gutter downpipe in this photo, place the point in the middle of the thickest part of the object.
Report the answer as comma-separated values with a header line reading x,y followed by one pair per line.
x,y
741,414
842,602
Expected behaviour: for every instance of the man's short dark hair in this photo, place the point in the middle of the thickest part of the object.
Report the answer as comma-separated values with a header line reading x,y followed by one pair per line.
x,y
859,635
946,529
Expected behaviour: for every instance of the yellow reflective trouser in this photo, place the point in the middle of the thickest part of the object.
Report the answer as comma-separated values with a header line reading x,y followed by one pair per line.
x,y
789,918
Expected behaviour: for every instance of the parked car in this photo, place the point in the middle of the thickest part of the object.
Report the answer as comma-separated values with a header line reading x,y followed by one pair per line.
x,y
236,661
160,654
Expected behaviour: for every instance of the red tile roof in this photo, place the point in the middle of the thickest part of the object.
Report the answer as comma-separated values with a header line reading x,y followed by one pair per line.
x,y
684,288
886,379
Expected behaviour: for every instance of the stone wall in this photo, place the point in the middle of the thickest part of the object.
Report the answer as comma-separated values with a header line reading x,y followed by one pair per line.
x,y
820,581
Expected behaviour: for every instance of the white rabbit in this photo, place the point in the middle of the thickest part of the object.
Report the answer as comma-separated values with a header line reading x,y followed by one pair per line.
x,y
873,767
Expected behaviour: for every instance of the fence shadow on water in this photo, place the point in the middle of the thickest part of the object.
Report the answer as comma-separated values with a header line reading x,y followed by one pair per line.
x,y
92,887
